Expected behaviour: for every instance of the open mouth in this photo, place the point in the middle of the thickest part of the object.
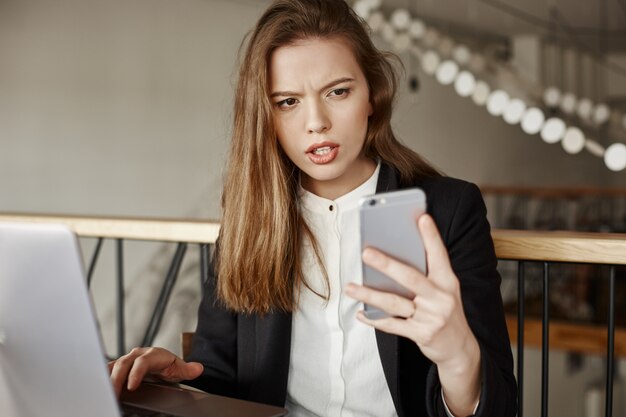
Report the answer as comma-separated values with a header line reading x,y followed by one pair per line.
x,y
324,150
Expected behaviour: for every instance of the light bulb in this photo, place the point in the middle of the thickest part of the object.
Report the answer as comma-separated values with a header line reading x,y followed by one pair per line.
x,y
481,93
551,96
585,107
553,130
461,54
514,111
400,19
601,114
497,102
447,72
430,62
465,84
568,103
615,157
532,121
574,140
417,29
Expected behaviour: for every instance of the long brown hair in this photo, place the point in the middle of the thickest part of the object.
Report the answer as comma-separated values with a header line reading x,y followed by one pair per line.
x,y
259,253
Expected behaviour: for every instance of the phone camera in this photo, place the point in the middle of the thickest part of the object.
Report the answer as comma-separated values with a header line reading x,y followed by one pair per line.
x,y
372,202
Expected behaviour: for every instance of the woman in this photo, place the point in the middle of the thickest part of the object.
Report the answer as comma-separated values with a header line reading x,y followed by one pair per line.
x,y
280,322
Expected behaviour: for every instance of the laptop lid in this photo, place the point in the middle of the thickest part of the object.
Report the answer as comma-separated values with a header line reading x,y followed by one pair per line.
x,y
51,359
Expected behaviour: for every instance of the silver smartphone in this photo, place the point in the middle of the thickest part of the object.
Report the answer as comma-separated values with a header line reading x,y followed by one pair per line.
x,y
388,223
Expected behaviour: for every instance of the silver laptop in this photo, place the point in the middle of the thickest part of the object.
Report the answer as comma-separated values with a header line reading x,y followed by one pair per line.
x,y
51,359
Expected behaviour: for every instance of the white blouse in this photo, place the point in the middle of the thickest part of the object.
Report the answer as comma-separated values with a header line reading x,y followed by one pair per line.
x,y
335,368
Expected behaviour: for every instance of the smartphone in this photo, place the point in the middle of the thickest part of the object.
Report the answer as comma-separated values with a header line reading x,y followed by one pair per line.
x,y
388,223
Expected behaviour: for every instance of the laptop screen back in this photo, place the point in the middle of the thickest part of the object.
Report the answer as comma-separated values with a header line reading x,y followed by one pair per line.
x,y
51,359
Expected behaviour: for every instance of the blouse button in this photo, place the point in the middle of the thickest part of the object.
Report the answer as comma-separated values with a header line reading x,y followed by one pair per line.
x,y
331,207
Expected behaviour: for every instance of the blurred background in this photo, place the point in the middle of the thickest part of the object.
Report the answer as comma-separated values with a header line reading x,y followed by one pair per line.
x,y
123,108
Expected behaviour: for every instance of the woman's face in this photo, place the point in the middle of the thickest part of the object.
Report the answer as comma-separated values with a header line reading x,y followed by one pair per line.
x,y
321,110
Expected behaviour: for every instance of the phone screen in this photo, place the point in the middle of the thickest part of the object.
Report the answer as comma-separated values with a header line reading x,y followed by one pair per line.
x,y
388,223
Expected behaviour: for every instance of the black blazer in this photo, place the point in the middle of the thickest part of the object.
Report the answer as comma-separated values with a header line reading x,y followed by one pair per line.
x,y
247,356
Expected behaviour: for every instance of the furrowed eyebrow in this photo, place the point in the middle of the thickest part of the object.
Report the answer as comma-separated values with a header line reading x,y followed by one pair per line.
x,y
327,86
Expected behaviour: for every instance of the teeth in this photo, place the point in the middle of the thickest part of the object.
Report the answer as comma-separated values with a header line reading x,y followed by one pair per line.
x,y
322,151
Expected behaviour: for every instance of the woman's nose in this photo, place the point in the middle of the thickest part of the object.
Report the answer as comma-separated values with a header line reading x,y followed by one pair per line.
x,y
318,120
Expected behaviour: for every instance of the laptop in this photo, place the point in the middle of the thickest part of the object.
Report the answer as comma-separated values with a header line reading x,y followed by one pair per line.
x,y
51,358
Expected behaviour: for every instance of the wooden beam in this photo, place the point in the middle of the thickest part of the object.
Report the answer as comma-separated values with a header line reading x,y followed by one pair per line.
x,y
168,230
599,248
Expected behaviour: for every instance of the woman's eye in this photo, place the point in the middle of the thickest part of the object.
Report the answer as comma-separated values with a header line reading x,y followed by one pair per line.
x,y
288,102
340,91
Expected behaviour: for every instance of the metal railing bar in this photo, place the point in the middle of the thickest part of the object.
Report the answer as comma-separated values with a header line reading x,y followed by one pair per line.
x,y
94,259
610,344
545,341
520,339
121,341
164,296
204,265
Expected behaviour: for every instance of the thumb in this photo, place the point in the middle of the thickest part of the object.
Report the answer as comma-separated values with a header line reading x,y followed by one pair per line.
x,y
191,370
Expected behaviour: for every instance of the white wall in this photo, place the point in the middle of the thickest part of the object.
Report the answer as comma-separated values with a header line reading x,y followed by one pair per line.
x,y
123,107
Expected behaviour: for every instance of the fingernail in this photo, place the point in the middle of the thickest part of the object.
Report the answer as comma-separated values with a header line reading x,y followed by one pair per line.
x,y
370,255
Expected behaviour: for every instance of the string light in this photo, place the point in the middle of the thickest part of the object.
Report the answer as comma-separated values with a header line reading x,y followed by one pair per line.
x,y
481,93
497,102
585,107
401,19
514,111
573,141
568,103
615,157
532,120
594,148
552,97
465,84
461,54
402,30
601,114
430,62
553,130
447,72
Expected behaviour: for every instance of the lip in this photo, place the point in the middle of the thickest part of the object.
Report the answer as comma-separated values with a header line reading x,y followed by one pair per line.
x,y
325,158
311,148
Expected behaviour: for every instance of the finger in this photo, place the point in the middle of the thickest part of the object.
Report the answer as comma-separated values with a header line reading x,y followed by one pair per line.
x,y
392,325
192,370
393,304
121,368
404,274
141,366
436,252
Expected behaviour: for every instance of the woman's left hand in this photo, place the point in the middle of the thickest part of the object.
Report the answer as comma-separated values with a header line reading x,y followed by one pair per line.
x,y
434,319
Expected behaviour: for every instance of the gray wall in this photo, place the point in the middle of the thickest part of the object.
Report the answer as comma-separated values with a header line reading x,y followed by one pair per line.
x,y
123,108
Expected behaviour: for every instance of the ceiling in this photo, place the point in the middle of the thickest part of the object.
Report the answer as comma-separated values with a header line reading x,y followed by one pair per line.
x,y
598,25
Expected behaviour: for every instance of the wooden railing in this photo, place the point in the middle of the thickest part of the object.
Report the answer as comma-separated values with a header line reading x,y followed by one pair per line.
x,y
575,247
522,246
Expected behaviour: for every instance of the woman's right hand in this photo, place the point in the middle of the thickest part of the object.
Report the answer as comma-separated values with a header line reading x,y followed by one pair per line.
x,y
133,367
